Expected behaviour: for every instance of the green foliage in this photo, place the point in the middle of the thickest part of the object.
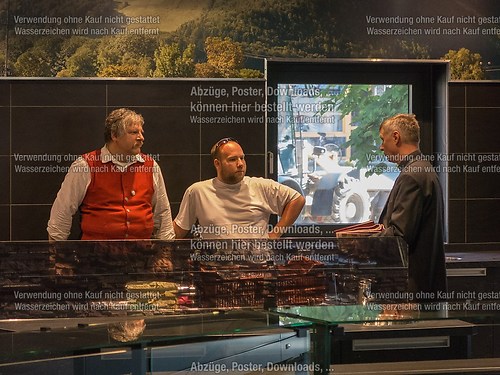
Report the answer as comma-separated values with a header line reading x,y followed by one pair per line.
x,y
296,28
250,73
465,65
122,70
412,49
402,49
47,56
293,28
367,111
224,60
62,7
206,70
280,28
171,62
34,63
77,56
40,60
127,51
225,55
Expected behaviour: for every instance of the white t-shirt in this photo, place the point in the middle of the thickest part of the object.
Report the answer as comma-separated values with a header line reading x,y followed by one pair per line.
x,y
233,210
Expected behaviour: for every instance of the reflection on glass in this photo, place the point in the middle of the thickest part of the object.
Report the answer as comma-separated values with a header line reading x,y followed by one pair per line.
x,y
126,331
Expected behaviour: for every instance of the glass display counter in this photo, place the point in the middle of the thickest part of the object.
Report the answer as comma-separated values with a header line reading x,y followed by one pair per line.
x,y
75,299
204,342
371,333
178,285
298,337
112,278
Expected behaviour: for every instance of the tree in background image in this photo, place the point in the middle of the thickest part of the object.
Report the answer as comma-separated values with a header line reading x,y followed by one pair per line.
x,y
171,62
41,59
465,65
403,49
224,60
126,56
79,56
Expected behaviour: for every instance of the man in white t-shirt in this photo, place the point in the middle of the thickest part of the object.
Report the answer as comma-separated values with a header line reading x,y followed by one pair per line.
x,y
233,205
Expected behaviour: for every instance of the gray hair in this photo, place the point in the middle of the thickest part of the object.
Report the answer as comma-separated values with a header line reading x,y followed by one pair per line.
x,y
117,121
407,126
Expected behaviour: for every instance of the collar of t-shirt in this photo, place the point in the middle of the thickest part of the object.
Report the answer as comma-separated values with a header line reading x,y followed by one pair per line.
x,y
107,157
219,184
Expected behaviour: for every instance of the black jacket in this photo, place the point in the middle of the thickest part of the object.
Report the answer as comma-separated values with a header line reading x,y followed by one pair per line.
x,y
414,211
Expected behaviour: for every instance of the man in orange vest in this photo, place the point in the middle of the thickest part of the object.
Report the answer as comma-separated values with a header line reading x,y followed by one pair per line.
x,y
119,191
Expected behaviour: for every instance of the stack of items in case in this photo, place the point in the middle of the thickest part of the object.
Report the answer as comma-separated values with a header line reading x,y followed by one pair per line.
x,y
300,281
366,228
158,294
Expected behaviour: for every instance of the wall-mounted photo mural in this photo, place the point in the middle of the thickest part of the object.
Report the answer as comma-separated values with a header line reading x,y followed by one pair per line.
x,y
229,38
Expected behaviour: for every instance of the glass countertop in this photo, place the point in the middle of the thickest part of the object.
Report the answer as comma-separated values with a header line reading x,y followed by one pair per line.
x,y
24,340
378,314
41,339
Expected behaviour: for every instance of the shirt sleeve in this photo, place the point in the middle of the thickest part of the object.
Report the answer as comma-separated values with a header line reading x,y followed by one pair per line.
x,y
162,215
68,200
186,216
279,195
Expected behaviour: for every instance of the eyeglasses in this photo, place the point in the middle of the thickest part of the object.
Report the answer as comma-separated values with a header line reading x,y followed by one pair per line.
x,y
223,141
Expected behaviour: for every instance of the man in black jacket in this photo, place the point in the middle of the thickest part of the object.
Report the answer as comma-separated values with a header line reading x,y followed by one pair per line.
x,y
414,209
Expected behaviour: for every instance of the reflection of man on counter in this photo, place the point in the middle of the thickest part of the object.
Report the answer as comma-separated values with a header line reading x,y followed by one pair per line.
x,y
120,191
234,205
414,209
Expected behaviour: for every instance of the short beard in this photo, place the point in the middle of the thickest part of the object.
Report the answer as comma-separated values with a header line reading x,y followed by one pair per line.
x,y
232,179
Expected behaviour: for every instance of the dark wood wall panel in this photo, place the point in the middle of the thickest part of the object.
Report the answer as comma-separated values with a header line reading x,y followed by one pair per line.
x,y
474,194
